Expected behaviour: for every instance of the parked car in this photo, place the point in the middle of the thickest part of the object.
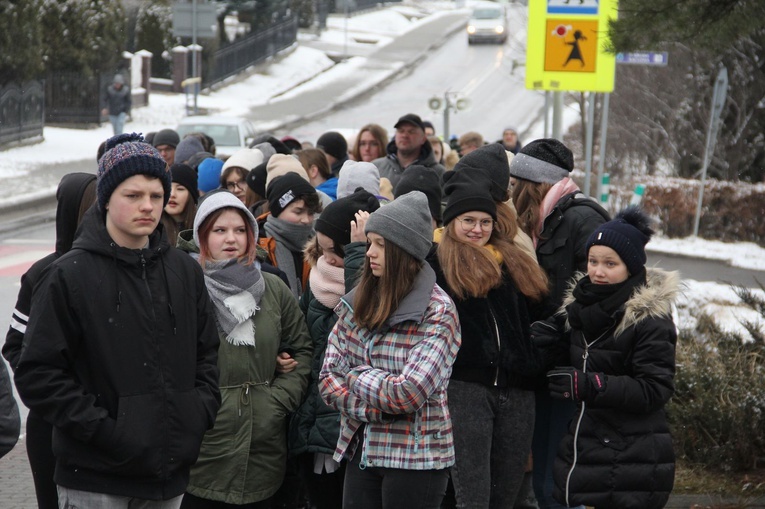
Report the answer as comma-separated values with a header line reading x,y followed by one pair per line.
x,y
487,23
229,133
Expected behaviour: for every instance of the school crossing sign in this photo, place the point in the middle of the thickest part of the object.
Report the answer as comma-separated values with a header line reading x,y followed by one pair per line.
x,y
565,47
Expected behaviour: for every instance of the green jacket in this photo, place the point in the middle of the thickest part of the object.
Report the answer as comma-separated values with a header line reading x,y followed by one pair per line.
x,y
243,458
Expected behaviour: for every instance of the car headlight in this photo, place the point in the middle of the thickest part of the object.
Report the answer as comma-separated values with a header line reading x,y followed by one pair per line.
x,y
470,29
499,29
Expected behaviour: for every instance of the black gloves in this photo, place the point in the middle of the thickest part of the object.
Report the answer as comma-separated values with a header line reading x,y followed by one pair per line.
x,y
572,383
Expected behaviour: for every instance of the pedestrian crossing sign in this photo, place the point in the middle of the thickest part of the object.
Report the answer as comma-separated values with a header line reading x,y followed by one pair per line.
x,y
566,45
571,45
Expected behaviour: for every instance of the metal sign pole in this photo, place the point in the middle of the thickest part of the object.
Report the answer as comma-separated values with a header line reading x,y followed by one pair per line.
x,y
194,51
603,131
718,100
588,143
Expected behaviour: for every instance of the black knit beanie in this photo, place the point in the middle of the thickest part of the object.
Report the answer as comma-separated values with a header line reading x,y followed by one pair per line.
x,y
334,144
284,190
546,160
127,155
166,137
256,179
467,191
491,159
335,219
185,175
627,234
422,178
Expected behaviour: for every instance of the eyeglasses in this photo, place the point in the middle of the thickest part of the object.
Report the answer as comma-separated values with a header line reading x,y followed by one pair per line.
x,y
239,184
468,223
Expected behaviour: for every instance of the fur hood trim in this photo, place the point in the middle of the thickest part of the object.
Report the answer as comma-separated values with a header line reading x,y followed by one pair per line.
x,y
653,300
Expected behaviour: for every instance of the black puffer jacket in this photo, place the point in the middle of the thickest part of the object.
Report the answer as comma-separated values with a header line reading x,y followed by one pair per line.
x,y
496,347
561,246
121,357
618,450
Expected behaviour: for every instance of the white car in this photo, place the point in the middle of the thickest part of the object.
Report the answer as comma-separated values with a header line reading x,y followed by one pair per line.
x,y
487,23
229,133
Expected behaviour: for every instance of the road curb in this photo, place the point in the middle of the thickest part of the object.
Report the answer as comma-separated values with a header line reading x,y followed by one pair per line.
x,y
28,211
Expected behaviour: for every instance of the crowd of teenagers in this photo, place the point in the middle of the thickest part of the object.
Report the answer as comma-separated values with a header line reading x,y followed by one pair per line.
x,y
342,326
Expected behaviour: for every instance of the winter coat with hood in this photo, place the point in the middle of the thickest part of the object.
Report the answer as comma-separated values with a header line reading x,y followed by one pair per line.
x,y
69,195
404,423
390,166
618,450
121,357
243,458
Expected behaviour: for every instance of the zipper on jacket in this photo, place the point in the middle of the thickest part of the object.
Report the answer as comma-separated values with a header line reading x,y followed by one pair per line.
x,y
496,336
585,356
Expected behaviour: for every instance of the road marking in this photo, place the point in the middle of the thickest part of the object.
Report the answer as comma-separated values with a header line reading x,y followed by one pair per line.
x,y
15,261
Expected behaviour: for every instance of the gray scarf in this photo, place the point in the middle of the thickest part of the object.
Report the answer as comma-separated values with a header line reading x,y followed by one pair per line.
x,y
235,290
290,238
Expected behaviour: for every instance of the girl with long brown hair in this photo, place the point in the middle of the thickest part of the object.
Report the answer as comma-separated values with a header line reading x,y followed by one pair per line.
x,y
492,282
387,365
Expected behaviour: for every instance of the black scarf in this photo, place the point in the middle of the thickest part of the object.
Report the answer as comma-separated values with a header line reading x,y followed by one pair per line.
x,y
596,307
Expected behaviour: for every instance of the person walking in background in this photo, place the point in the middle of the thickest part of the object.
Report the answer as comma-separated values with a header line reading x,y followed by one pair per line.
x,y
121,350
490,396
75,194
559,219
117,102
243,457
315,427
621,340
370,143
387,365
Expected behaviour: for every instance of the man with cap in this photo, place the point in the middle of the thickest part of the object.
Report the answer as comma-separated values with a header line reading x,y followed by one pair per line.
x,y
117,102
409,146
121,346
335,147
165,142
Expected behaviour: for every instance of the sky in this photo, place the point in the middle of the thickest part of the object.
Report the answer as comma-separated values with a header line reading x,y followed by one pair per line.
x,y
309,67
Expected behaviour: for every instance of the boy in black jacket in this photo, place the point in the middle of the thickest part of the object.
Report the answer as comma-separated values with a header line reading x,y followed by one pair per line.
x,y
120,351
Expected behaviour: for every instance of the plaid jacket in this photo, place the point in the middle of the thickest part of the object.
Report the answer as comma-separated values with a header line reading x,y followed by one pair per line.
x,y
394,381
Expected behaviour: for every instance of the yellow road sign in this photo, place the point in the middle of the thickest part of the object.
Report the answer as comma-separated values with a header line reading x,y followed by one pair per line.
x,y
565,48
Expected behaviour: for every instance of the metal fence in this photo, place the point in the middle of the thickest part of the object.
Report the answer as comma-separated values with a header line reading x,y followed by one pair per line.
x,y
251,50
21,111
71,98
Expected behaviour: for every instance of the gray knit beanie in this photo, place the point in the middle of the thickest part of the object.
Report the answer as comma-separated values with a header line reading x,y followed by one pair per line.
x,y
405,222
218,200
546,160
355,174
188,146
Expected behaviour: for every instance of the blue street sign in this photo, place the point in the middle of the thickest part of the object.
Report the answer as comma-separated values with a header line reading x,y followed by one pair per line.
x,y
643,58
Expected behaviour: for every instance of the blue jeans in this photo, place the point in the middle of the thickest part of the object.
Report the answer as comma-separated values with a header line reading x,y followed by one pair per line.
x,y
77,499
392,488
492,438
118,123
553,417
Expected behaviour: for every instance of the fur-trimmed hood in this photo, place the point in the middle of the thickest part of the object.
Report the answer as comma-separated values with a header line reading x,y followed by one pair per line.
x,y
653,300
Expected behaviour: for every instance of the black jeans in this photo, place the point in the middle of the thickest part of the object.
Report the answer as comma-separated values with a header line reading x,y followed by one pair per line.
x,y
392,488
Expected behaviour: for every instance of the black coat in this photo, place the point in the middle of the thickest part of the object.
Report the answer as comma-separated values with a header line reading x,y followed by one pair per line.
x,y
121,357
496,346
561,245
618,450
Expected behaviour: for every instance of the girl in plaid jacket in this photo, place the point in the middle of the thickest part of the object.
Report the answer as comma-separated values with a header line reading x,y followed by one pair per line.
x,y
387,365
